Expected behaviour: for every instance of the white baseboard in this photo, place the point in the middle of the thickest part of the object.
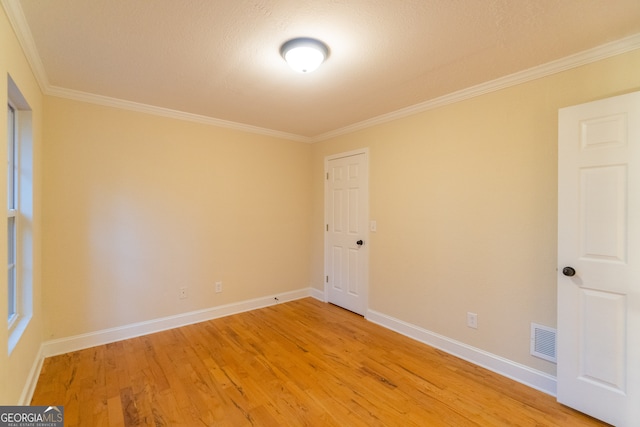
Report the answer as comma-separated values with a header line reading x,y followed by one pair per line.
x,y
318,294
32,380
79,342
106,336
521,373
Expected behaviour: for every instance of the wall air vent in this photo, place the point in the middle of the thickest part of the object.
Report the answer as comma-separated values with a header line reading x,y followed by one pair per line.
x,y
543,342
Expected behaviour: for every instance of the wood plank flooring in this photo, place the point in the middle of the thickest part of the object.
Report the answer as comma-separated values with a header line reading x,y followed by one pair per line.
x,y
302,363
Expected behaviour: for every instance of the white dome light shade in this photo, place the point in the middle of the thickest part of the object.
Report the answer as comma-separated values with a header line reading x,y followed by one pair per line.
x,y
304,54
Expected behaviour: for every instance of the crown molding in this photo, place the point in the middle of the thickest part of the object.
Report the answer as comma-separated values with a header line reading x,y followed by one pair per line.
x,y
18,22
23,33
573,61
166,112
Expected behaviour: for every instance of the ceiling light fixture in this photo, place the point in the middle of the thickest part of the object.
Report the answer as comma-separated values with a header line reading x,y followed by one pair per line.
x,y
304,54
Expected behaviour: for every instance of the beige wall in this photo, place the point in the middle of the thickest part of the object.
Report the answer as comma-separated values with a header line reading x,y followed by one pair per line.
x,y
15,368
465,202
137,206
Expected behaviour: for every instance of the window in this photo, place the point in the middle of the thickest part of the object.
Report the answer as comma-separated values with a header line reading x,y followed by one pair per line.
x,y
12,206
19,214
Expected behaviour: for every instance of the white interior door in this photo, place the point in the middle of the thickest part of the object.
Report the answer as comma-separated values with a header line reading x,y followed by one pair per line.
x,y
347,248
599,259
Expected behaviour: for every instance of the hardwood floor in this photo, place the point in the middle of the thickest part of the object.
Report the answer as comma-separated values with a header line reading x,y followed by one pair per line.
x,y
293,364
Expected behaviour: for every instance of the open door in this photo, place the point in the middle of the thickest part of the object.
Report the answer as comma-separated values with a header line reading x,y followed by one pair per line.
x,y
599,259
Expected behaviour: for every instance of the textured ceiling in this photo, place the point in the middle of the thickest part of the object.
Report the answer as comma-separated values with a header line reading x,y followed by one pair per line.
x,y
220,59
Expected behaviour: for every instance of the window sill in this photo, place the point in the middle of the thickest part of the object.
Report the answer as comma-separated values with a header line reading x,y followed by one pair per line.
x,y
17,330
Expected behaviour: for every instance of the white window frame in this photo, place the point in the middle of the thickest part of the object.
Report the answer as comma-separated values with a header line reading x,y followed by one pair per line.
x,y
13,179
22,210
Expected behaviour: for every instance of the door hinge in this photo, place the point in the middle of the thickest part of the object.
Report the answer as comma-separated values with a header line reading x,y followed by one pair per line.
x,y
327,279
327,227
327,176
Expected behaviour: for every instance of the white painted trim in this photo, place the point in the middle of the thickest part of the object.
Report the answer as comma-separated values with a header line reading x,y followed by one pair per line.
x,y
32,379
573,61
521,373
22,31
105,336
21,28
598,53
18,22
318,294
364,150
79,342
166,112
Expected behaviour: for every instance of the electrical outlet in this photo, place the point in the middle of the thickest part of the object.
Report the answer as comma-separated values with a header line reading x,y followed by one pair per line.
x,y
218,287
183,293
472,320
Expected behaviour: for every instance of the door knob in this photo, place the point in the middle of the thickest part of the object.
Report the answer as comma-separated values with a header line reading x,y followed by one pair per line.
x,y
360,243
569,271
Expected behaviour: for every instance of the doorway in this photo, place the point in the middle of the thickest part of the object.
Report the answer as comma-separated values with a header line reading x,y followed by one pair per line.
x,y
346,230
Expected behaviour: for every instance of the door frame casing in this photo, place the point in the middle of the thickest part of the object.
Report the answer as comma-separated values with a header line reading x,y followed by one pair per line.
x,y
365,273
